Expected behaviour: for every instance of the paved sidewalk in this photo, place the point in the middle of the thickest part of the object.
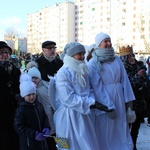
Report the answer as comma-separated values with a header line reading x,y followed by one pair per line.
x,y
143,141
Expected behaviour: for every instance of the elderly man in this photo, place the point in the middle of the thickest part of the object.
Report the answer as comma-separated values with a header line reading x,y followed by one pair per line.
x,y
9,87
48,63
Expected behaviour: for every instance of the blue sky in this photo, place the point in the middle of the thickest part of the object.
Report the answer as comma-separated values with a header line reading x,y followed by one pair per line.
x,y
13,13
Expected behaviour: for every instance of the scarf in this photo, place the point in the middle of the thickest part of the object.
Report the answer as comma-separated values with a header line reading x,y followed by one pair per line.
x,y
102,55
7,65
78,66
50,59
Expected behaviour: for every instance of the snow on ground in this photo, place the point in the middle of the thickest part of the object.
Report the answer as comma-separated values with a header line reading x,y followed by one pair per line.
x,y
143,141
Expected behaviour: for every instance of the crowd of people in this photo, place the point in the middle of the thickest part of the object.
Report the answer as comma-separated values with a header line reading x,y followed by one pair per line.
x,y
96,99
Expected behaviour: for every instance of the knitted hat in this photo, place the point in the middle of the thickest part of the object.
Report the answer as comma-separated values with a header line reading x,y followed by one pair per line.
x,y
31,64
100,37
34,72
62,55
26,85
74,48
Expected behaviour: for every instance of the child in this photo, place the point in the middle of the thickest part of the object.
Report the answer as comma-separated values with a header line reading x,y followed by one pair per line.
x,y
30,120
42,96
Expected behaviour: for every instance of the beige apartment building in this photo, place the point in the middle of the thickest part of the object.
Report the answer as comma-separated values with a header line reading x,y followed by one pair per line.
x,y
54,23
18,45
126,21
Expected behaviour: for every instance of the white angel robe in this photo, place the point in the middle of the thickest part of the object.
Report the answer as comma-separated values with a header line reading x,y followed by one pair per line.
x,y
73,118
112,134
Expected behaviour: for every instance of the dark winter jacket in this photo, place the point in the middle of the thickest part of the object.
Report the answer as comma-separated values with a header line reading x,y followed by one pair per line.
x,y
139,85
48,68
9,87
29,118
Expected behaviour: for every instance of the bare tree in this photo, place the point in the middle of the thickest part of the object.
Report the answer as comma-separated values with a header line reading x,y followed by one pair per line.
x,y
11,33
141,30
11,36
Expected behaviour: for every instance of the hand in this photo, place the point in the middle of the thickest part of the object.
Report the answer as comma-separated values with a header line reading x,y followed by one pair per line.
x,y
100,107
141,72
131,116
39,136
112,114
46,131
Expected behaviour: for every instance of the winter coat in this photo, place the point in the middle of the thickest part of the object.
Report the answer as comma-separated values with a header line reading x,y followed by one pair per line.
x,y
29,118
42,96
9,87
48,68
139,85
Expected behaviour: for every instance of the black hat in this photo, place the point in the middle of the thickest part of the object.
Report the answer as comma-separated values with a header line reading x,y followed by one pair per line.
x,y
46,43
3,44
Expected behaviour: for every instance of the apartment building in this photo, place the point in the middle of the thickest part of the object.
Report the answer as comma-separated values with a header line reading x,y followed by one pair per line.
x,y
126,21
17,44
54,23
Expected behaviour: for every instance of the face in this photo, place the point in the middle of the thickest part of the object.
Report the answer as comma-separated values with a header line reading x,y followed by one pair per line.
x,y
79,56
4,54
49,51
30,97
131,59
36,80
106,43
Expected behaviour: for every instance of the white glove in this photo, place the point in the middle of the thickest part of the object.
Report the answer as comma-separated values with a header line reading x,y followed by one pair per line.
x,y
131,116
112,114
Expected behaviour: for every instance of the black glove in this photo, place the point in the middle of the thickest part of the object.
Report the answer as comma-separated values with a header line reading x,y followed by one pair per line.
x,y
100,106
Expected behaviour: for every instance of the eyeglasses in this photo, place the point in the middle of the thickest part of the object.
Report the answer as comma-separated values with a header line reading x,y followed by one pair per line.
x,y
4,52
50,48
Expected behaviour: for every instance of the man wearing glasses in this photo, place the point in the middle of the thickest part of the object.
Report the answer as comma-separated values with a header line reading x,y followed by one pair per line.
x,y
48,63
9,88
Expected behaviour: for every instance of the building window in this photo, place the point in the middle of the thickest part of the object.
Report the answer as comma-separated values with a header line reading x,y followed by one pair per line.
x,y
123,24
108,19
124,10
81,23
142,29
